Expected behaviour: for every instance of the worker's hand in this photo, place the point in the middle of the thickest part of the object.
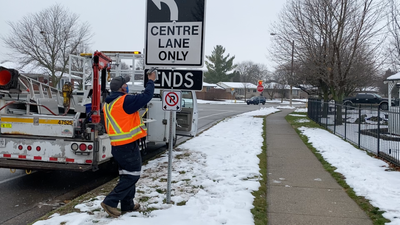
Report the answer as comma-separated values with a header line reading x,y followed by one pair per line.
x,y
152,76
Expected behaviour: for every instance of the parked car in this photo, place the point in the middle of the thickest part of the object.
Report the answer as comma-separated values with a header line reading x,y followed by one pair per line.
x,y
255,100
368,99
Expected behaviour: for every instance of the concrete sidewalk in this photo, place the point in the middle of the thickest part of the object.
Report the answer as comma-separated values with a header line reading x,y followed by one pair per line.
x,y
300,191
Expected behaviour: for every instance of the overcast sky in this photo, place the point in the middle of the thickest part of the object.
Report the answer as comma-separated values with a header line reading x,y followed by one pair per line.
x,y
242,27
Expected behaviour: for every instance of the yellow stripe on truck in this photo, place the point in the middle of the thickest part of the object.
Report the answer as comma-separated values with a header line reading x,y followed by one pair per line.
x,y
30,120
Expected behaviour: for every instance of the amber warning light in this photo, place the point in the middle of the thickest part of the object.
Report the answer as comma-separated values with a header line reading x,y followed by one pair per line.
x,y
8,78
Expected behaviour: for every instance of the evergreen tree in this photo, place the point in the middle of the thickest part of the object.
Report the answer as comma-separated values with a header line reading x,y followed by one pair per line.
x,y
220,68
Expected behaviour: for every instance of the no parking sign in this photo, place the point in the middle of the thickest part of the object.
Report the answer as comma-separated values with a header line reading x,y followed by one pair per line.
x,y
171,101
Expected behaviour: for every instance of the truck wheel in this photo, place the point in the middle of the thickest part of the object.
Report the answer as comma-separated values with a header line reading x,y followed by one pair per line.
x,y
348,103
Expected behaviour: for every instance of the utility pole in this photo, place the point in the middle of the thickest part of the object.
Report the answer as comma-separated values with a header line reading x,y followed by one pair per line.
x,y
291,75
291,72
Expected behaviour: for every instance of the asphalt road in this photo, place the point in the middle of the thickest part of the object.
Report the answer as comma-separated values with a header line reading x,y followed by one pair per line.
x,y
25,198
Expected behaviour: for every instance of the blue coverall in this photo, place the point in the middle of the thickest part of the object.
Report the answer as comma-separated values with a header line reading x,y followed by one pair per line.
x,y
128,156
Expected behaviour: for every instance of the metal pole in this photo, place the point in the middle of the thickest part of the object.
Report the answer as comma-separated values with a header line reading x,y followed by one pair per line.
x,y
334,119
359,126
345,123
379,131
291,72
170,145
169,159
291,75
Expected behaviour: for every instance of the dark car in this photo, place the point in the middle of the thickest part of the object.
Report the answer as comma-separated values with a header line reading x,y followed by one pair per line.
x,y
256,100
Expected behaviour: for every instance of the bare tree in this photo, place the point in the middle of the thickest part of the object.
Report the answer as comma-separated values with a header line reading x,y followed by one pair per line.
x,y
271,87
46,39
250,72
335,41
394,29
282,76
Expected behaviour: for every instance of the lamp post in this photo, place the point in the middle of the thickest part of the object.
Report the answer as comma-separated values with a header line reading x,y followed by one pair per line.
x,y
291,71
291,75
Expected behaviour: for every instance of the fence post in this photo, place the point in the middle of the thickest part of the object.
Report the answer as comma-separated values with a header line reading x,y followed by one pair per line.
x,y
319,117
334,120
326,108
379,130
359,126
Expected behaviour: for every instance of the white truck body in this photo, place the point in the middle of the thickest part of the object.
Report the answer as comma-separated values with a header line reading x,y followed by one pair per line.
x,y
31,137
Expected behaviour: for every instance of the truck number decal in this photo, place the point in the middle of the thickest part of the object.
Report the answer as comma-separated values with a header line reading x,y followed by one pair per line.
x,y
6,125
65,122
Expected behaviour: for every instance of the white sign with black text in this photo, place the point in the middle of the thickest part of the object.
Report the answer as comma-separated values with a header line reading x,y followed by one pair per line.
x,y
174,33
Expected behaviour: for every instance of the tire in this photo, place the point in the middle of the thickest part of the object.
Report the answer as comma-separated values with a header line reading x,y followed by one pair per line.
x,y
384,106
263,103
348,103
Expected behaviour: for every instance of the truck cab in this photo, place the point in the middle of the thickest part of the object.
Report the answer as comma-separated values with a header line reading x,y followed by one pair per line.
x,y
367,100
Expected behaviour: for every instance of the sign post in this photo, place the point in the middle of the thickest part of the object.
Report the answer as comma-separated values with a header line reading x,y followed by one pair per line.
x,y
174,38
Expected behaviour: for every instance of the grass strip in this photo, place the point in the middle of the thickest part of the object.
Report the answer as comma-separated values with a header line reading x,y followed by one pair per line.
x,y
260,196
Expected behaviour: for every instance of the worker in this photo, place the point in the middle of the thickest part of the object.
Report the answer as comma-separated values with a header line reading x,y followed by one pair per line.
x,y
125,127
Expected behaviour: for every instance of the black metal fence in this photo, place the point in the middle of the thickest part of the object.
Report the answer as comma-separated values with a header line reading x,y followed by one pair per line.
x,y
368,127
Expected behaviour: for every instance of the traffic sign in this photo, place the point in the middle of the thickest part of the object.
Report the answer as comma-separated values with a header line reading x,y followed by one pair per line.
x,y
172,101
175,33
260,88
178,79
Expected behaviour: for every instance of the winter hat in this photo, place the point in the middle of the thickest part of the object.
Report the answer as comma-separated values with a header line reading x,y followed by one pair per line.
x,y
117,82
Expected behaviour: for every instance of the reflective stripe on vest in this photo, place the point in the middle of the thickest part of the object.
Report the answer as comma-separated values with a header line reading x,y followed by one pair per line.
x,y
119,135
132,173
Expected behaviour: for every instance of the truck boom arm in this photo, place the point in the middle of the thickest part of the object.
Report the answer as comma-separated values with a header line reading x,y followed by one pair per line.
x,y
100,62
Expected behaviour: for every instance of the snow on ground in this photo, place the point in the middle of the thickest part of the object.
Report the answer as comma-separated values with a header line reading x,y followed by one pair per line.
x,y
213,178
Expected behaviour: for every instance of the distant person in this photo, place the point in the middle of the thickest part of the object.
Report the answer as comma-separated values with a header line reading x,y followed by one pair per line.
x,y
125,128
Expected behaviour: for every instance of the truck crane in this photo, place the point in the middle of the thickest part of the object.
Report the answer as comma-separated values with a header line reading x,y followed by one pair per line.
x,y
45,128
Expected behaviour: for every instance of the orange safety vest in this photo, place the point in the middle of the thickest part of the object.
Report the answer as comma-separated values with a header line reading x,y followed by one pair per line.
x,y
122,128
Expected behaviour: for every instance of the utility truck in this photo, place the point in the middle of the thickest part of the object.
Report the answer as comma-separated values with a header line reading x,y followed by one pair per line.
x,y
44,128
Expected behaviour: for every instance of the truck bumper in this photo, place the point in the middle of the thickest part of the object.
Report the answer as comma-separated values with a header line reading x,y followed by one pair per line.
x,y
32,165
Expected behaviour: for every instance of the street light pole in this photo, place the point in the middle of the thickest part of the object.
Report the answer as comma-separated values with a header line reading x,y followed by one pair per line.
x,y
291,75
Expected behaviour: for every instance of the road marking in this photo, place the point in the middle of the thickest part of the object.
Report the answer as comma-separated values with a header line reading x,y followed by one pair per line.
x,y
214,114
